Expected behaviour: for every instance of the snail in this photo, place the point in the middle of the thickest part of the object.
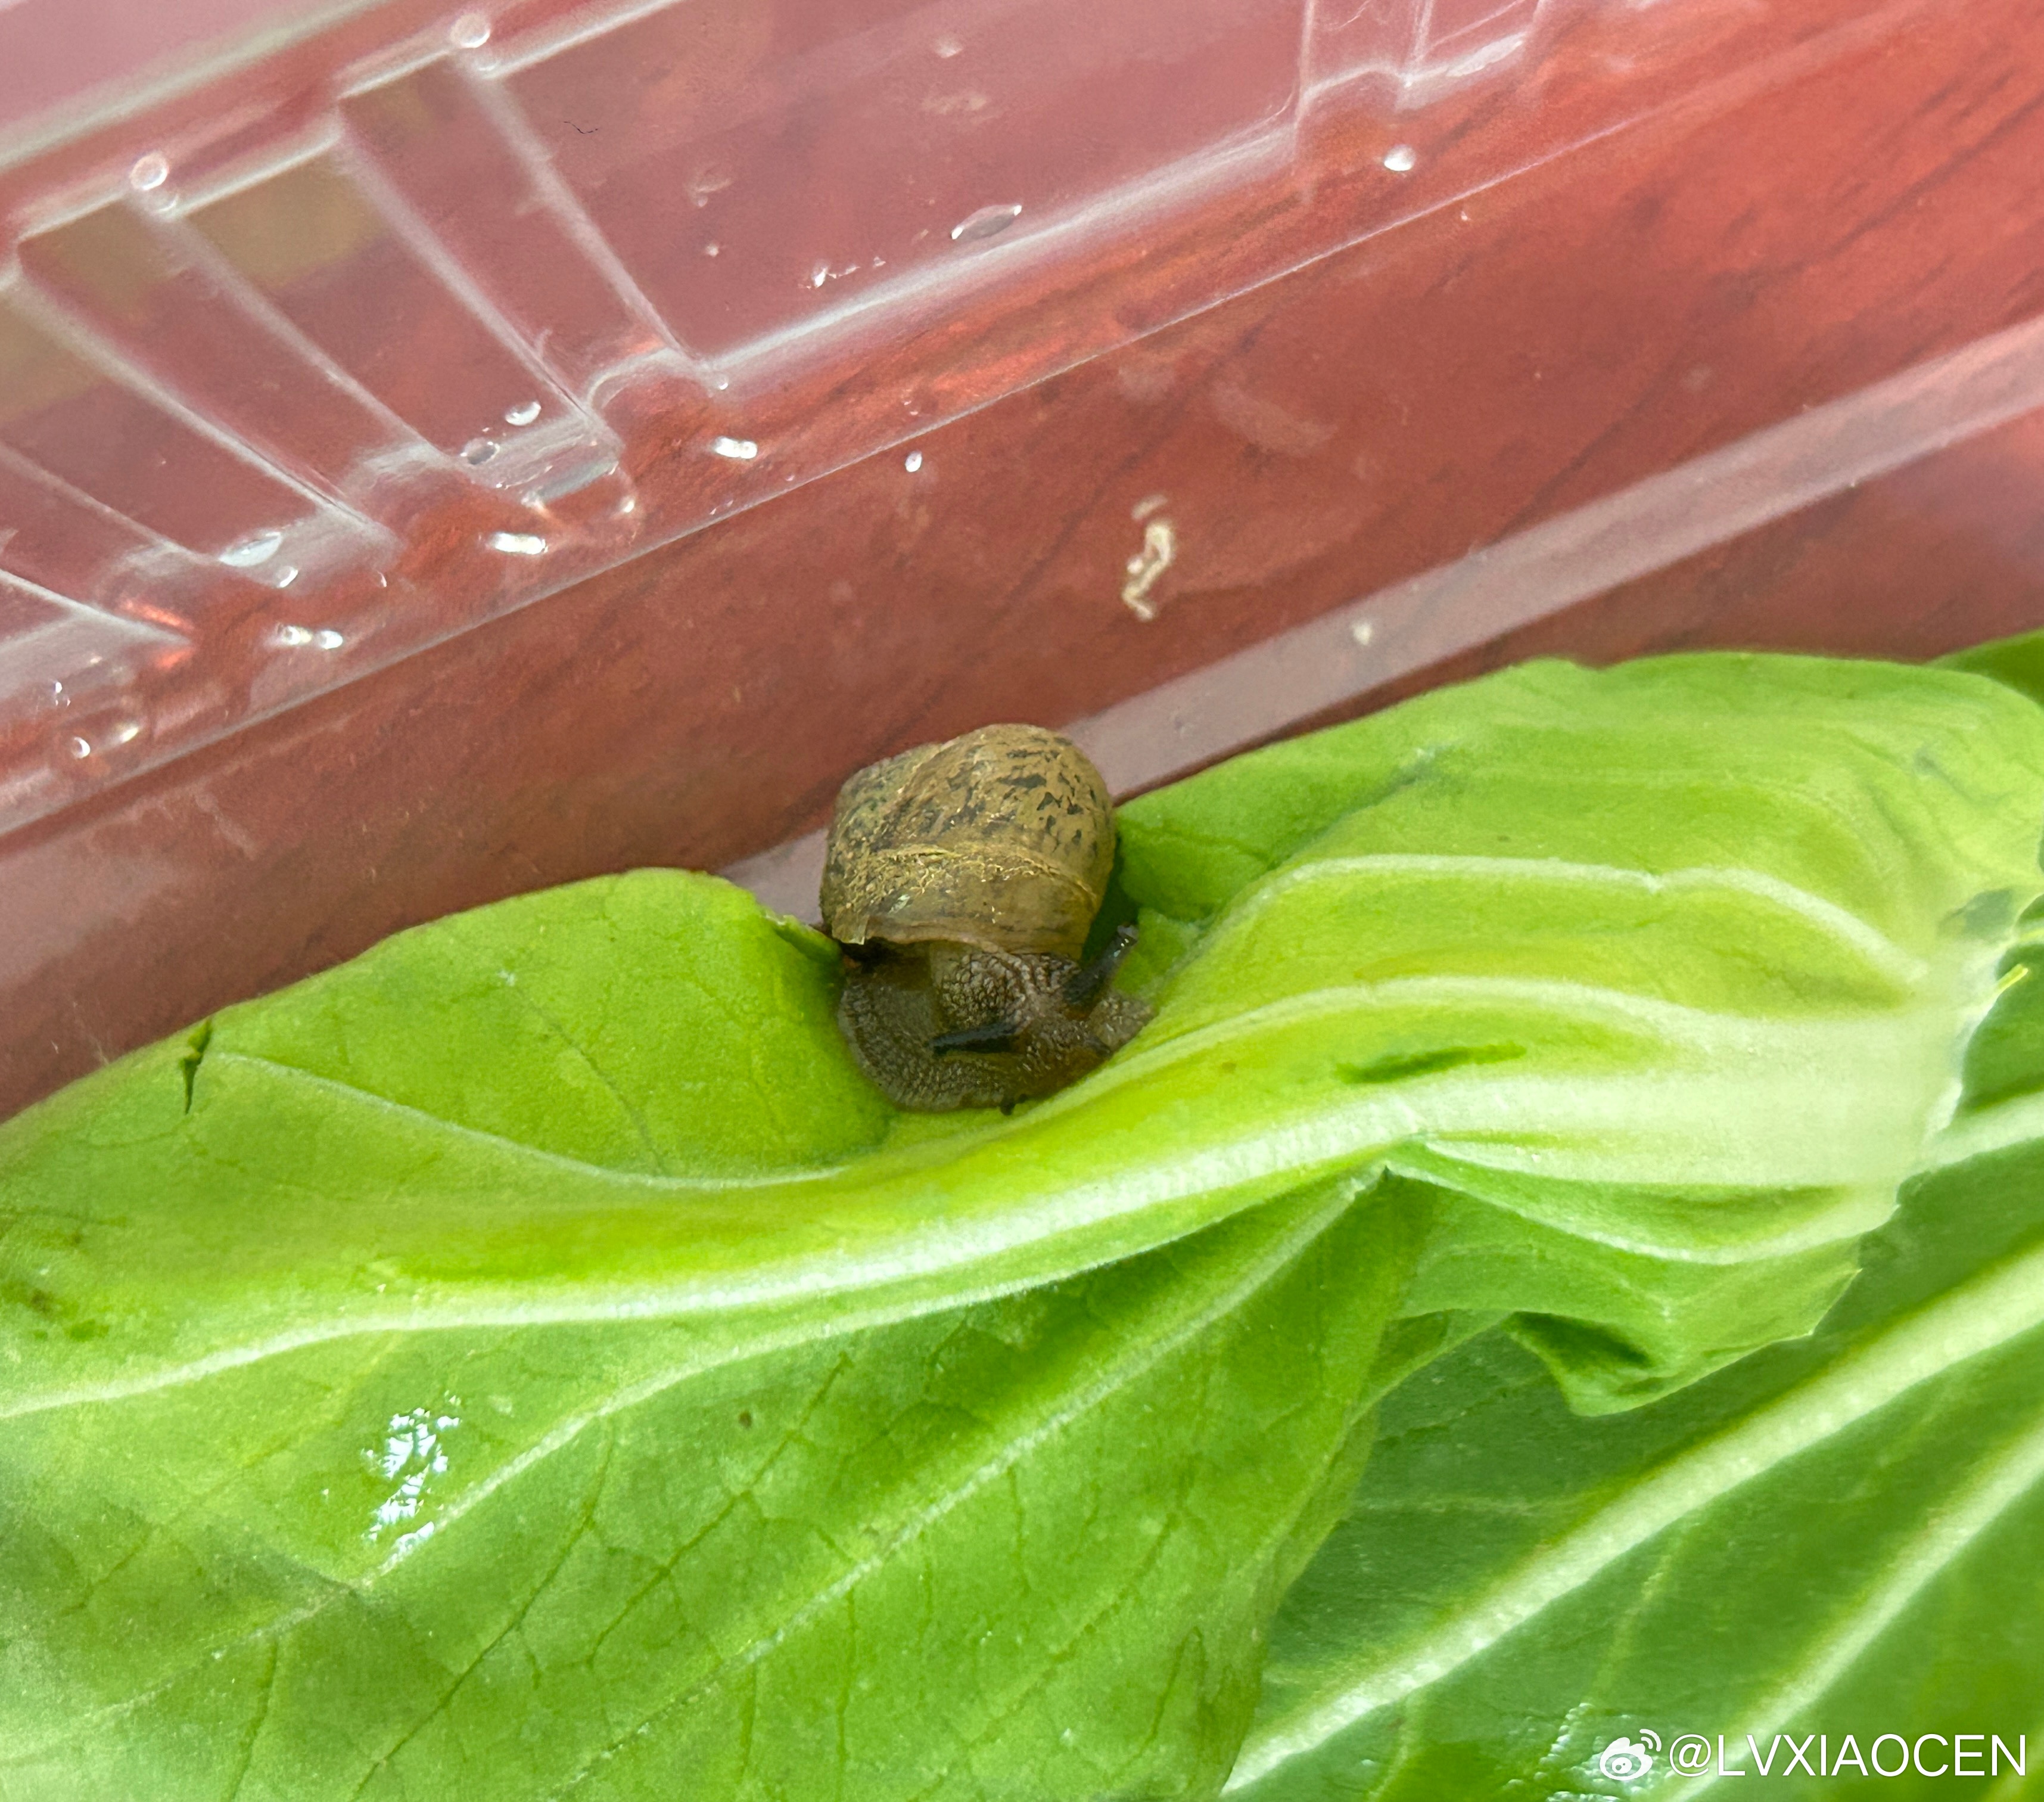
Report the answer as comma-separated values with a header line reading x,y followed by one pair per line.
x,y
961,881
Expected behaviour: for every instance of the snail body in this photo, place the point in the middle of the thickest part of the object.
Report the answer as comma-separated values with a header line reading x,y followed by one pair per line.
x,y
961,881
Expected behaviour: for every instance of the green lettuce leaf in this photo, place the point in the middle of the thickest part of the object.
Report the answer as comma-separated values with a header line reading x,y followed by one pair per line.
x,y
1607,937
1839,1538
530,1356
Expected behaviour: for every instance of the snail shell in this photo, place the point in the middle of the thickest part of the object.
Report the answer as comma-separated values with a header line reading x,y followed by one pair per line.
x,y
1002,838
962,879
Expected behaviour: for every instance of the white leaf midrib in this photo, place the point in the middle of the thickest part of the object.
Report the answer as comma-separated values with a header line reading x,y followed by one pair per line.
x,y
1840,924
948,1246
1999,1485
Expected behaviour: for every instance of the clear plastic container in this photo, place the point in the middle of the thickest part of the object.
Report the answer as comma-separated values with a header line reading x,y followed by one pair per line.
x,y
445,452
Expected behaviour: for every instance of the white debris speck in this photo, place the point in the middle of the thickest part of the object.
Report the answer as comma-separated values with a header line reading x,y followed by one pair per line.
x,y
1160,547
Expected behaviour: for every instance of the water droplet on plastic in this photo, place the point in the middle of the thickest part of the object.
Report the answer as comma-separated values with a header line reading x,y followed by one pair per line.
x,y
284,575
290,637
127,732
479,451
257,547
912,462
630,504
81,747
738,450
712,249
985,223
56,690
150,173
947,47
721,383
819,275
329,640
470,32
1363,632
518,544
522,415
1399,158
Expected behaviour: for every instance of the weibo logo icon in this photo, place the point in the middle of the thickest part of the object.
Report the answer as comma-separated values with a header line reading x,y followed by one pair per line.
x,y
1624,1759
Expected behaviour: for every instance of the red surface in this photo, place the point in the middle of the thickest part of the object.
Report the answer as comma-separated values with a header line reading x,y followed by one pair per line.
x,y
1806,207
57,52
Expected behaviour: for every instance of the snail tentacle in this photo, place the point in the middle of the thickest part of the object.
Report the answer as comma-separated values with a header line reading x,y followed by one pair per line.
x,y
996,1035
1084,987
